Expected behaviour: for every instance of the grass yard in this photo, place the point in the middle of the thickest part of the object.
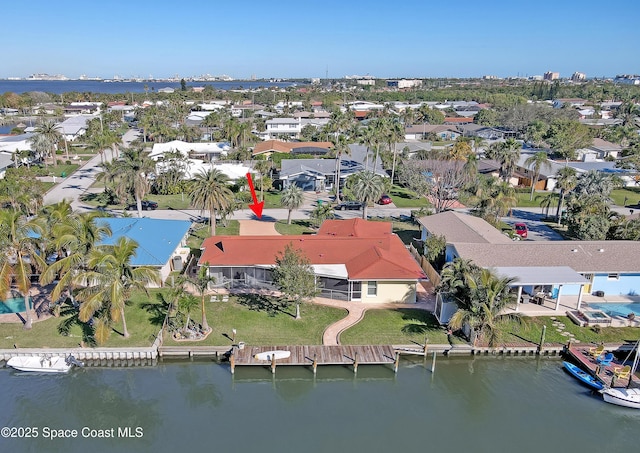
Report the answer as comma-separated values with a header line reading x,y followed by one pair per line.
x,y
632,195
405,229
256,326
404,198
202,231
399,326
44,334
296,227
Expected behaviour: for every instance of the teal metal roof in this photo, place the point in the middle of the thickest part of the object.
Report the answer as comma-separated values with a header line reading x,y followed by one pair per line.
x,y
157,238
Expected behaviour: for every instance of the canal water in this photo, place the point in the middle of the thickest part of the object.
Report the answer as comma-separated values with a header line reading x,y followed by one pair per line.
x,y
482,404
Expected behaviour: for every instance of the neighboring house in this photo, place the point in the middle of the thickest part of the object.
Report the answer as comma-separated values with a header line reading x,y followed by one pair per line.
x,y
6,161
161,243
282,128
74,127
269,147
605,149
424,131
13,143
557,268
319,174
79,108
457,120
208,151
354,260
457,227
486,132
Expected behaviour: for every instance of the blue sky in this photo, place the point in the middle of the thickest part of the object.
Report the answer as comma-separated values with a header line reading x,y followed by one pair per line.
x,y
284,38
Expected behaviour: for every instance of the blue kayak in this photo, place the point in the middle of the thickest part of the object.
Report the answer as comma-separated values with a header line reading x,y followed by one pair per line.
x,y
583,376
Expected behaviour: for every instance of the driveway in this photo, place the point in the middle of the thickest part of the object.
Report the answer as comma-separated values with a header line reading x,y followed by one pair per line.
x,y
257,228
538,230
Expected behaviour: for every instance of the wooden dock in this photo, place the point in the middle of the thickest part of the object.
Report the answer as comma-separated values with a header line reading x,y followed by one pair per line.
x,y
314,356
603,374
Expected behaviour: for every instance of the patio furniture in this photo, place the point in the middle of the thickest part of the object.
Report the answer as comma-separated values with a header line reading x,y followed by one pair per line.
x,y
622,372
605,359
525,298
597,351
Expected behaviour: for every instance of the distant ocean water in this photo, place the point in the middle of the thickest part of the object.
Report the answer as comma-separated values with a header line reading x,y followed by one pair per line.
x,y
96,86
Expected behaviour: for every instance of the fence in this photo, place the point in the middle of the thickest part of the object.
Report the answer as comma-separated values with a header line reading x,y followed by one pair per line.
x,y
426,266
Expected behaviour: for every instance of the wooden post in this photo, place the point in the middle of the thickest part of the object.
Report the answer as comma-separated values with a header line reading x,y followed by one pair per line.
x,y
355,362
396,362
426,341
433,362
232,360
540,346
315,363
273,364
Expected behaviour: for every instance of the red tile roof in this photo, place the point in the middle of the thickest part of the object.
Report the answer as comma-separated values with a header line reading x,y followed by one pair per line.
x,y
372,252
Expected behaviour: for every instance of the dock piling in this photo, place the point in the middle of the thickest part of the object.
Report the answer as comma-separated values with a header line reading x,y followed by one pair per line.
x,y
315,363
232,361
355,362
273,364
396,362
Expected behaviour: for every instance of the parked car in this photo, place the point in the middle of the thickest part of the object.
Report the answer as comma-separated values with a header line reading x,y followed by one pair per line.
x,y
521,230
146,206
385,199
349,206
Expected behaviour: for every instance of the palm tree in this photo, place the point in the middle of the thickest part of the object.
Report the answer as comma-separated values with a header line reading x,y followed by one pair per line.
x,y
536,162
133,171
392,132
507,155
264,168
484,312
546,201
495,199
321,213
210,191
340,147
108,284
566,180
200,284
48,136
291,198
74,236
19,245
367,187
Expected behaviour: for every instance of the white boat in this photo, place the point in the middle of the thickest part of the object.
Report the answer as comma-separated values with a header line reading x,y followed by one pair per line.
x,y
269,355
55,364
622,397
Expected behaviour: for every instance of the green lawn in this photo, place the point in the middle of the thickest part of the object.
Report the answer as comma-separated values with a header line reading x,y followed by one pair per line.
x,y
631,194
400,326
44,334
533,330
202,231
407,230
296,227
524,202
256,326
404,198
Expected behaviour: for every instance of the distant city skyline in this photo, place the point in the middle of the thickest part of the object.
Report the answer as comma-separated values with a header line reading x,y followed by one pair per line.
x,y
286,39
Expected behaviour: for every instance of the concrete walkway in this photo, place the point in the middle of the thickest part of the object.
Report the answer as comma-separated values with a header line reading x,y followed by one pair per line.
x,y
257,228
357,310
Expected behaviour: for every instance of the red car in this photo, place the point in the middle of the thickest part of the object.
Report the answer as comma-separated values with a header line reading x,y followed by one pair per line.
x,y
385,199
521,230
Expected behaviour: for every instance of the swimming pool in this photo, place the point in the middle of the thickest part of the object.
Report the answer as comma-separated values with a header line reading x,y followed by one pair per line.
x,y
618,309
12,305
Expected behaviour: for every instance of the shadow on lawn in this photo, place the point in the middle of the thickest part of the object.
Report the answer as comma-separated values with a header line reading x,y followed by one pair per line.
x,y
264,302
419,321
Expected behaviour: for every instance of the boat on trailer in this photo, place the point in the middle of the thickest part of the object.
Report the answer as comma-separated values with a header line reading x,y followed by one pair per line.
x,y
44,364
584,377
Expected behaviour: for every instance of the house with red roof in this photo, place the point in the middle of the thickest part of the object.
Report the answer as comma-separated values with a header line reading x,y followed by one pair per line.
x,y
354,260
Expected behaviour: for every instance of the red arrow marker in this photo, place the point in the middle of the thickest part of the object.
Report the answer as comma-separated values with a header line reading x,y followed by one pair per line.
x,y
255,207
